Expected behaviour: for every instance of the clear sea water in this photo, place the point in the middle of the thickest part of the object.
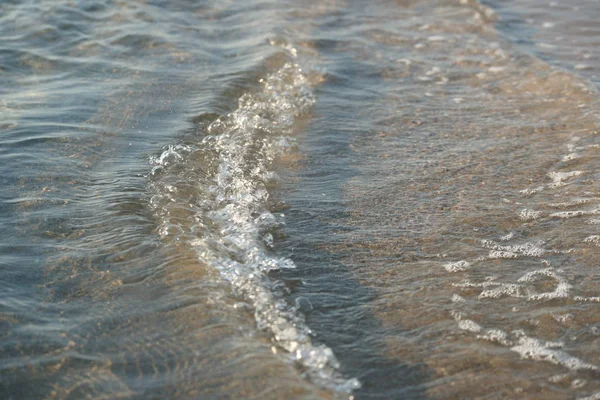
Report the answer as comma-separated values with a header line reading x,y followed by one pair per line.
x,y
300,200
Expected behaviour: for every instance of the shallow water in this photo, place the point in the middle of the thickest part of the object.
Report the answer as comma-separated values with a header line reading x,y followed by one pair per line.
x,y
299,200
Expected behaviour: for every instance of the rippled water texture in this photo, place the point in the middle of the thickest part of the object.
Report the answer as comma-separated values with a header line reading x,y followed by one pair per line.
x,y
312,200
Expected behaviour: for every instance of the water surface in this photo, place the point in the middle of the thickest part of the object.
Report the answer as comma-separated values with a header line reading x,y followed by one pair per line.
x,y
393,199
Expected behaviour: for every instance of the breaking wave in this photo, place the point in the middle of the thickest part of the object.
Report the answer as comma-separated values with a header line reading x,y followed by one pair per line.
x,y
213,196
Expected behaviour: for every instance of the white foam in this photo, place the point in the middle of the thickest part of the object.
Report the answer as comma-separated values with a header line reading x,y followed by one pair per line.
x,y
525,249
456,298
170,156
233,221
570,157
437,38
503,289
578,383
559,178
457,266
538,350
529,215
582,66
572,203
507,237
457,315
560,292
490,281
595,396
494,254
574,213
563,318
532,190
587,299
465,324
558,378
496,336
493,289
527,347
592,239
469,325
433,71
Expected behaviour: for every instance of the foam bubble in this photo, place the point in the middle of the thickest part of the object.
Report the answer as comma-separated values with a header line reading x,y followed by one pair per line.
x,y
587,299
559,178
558,378
503,289
457,266
490,281
502,254
571,203
465,324
469,325
507,237
492,289
538,350
563,318
532,190
574,213
529,215
592,239
456,298
560,292
496,336
525,249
